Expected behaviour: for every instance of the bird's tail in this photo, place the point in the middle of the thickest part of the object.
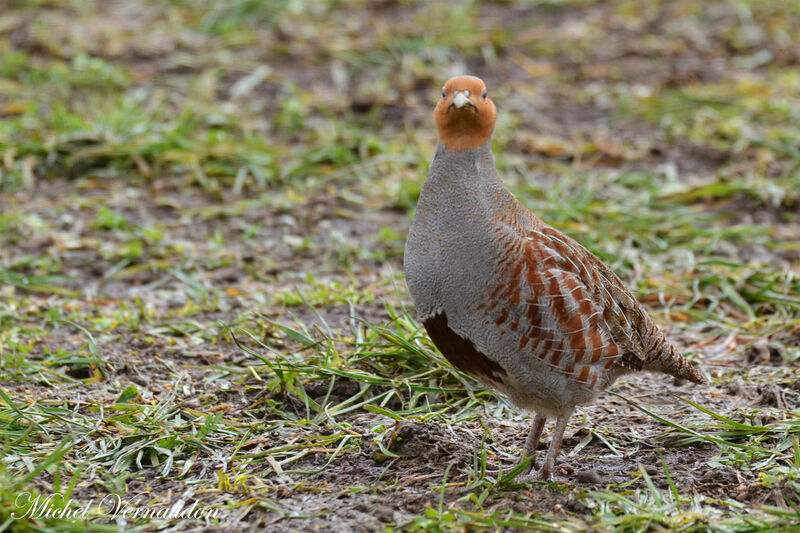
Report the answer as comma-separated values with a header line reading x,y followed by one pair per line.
x,y
664,357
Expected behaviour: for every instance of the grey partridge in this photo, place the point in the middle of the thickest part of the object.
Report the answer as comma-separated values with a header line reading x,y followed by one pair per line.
x,y
507,298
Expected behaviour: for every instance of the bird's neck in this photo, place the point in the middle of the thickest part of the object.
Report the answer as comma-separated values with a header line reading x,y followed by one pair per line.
x,y
464,186
463,167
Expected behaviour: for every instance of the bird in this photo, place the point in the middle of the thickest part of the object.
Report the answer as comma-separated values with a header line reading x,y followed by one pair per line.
x,y
510,300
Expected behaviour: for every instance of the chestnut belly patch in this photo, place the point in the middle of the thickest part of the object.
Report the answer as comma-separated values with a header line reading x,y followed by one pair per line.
x,y
461,352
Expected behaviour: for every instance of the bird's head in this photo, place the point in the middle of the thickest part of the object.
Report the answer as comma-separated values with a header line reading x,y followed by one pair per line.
x,y
465,115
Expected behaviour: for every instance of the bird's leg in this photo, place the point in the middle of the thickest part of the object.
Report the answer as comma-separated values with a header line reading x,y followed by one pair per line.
x,y
532,442
546,473
530,445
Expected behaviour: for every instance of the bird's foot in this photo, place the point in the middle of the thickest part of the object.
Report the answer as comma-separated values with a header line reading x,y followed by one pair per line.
x,y
531,465
500,471
543,474
527,468
525,471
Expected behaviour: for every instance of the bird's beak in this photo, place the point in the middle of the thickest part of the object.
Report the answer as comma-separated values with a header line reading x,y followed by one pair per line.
x,y
461,98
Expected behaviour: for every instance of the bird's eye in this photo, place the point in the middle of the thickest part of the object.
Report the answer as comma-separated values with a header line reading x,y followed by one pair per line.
x,y
444,93
485,94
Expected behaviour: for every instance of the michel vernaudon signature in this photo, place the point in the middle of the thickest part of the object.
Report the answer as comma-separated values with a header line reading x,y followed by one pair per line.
x,y
110,506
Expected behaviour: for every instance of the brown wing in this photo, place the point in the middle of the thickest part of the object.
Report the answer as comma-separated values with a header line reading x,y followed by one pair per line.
x,y
544,306
622,315
566,307
641,343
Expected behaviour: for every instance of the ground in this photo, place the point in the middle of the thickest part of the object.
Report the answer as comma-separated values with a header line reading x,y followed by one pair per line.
x,y
203,208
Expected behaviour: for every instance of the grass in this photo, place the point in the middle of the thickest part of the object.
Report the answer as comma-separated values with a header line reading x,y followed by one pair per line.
x,y
202,217
167,437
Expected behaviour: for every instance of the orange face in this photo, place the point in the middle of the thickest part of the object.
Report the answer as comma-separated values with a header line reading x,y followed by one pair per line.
x,y
465,115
